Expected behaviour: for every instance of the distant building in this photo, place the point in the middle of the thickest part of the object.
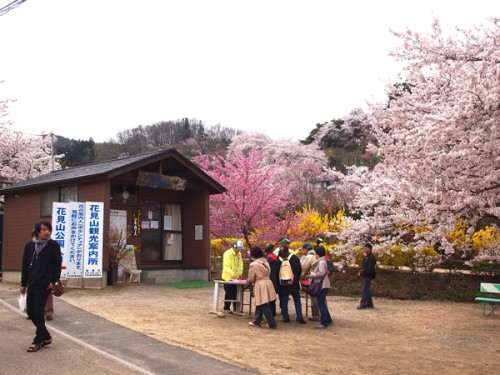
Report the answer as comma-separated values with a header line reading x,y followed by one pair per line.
x,y
326,184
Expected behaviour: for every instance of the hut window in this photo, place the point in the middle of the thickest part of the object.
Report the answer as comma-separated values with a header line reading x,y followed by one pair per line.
x,y
172,232
64,194
48,197
69,194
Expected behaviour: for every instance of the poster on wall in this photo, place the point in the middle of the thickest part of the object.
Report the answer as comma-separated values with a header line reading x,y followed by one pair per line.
x,y
198,232
93,240
118,226
74,264
60,231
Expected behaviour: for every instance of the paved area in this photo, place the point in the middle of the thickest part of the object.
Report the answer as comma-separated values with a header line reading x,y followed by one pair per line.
x,y
87,344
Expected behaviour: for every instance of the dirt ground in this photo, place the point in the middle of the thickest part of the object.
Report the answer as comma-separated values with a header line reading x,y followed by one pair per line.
x,y
397,337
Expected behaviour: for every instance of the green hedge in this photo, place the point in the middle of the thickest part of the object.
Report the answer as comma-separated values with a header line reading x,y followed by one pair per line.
x,y
400,284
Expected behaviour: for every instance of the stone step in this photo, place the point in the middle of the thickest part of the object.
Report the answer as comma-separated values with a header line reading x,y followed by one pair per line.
x,y
162,279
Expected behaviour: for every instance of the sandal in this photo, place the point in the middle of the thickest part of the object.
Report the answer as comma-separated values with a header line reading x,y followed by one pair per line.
x,y
34,347
46,342
252,324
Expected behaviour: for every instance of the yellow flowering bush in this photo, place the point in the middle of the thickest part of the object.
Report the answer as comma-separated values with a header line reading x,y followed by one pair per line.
x,y
487,238
310,225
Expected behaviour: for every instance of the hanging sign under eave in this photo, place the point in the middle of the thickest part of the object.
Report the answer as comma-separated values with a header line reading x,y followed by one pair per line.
x,y
156,180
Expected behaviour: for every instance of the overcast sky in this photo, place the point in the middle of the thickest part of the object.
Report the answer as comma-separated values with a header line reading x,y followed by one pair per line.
x,y
94,68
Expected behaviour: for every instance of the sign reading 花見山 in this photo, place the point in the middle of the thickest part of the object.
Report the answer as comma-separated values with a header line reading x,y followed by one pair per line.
x,y
78,228
60,231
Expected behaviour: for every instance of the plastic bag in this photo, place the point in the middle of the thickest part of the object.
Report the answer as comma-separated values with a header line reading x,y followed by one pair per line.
x,y
22,302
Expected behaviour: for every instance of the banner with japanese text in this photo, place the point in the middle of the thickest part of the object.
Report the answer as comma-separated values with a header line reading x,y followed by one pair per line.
x,y
60,231
93,240
74,264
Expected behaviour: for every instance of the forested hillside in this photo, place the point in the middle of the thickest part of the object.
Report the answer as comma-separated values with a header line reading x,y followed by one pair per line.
x,y
343,140
189,136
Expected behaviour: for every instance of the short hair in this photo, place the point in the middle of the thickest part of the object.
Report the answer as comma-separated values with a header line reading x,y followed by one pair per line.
x,y
320,250
256,252
38,226
269,248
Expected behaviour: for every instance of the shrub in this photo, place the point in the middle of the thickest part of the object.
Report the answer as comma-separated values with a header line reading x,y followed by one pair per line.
x,y
400,284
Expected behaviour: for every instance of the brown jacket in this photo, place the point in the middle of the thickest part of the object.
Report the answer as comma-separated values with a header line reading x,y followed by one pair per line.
x,y
263,288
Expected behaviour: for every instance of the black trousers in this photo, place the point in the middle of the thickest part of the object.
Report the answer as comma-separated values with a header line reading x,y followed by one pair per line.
x,y
272,306
264,310
36,298
231,293
366,295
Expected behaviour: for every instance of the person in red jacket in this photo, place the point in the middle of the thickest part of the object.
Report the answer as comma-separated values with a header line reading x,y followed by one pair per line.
x,y
272,259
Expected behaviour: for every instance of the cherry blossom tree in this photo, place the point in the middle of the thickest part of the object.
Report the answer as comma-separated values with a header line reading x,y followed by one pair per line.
x,y
258,204
439,138
306,165
352,128
22,157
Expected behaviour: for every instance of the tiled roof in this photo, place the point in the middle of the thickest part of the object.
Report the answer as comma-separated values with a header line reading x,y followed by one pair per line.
x,y
106,168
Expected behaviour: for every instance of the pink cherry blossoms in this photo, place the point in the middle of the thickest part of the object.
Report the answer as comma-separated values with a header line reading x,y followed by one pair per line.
x,y
439,138
22,157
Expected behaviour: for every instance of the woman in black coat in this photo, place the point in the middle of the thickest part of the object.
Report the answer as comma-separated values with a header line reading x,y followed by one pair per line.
x,y
41,269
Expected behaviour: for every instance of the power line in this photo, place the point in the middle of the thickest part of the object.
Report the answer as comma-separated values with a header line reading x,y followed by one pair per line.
x,y
10,6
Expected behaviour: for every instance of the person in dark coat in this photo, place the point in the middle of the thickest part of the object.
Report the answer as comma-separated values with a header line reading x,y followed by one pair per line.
x,y
41,269
285,291
367,274
272,259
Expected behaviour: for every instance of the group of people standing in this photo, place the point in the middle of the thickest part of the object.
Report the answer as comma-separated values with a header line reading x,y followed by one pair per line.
x,y
264,272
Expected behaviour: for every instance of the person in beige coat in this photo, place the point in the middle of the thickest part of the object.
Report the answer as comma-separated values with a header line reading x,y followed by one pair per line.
x,y
263,288
307,260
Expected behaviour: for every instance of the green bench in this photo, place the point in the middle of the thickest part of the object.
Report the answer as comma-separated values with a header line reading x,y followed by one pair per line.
x,y
491,289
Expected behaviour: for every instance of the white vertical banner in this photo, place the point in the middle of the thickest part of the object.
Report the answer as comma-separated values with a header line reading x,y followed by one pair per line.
x,y
60,231
93,240
74,264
